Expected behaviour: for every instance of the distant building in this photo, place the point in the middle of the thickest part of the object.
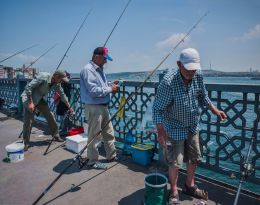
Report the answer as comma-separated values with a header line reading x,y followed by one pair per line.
x,y
6,72
26,72
2,72
10,72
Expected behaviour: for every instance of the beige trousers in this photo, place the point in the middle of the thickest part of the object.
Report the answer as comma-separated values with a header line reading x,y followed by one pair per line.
x,y
98,116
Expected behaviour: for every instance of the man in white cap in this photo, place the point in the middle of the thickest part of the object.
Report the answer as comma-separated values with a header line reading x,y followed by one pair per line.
x,y
176,113
33,97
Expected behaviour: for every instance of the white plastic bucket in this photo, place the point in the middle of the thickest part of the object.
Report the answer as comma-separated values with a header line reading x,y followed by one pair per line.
x,y
15,151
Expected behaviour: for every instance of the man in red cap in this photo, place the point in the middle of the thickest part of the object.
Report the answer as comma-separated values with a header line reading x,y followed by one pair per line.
x,y
95,93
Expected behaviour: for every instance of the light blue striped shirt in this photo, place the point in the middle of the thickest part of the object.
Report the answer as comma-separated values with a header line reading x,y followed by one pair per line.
x,y
178,107
94,88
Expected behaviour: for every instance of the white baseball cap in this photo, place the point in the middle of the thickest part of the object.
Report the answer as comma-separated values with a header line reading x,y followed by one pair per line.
x,y
190,59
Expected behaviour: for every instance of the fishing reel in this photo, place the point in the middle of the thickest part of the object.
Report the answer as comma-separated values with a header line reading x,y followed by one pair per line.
x,y
70,115
246,170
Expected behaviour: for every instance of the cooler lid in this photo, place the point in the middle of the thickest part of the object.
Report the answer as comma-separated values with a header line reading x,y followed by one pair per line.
x,y
142,146
77,138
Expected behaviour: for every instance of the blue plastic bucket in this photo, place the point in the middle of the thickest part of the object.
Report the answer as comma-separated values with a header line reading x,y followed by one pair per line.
x,y
155,189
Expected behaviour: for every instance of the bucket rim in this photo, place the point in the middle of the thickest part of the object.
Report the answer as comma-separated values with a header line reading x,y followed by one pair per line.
x,y
156,186
15,147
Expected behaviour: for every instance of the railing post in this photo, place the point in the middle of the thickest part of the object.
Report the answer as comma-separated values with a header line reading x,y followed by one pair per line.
x,y
20,84
160,150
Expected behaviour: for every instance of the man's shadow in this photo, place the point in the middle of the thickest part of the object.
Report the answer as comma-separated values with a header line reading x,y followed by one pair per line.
x,y
134,198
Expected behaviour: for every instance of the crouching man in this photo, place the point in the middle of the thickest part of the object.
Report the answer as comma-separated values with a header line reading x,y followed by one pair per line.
x,y
33,98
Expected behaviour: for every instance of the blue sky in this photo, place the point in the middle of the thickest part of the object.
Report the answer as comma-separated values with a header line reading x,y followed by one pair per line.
x,y
229,37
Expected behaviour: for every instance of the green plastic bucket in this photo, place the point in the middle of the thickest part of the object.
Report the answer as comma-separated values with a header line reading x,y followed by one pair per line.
x,y
155,189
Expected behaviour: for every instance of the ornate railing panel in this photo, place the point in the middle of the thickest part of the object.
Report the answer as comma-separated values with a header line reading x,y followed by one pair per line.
x,y
225,143
8,91
135,109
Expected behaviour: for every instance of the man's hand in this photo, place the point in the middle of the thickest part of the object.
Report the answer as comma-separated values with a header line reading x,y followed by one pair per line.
x,y
31,107
116,82
217,112
114,88
70,108
221,115
162,136
72,111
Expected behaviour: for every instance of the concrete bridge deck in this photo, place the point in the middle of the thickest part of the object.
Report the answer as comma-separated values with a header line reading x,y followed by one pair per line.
x,y
123,183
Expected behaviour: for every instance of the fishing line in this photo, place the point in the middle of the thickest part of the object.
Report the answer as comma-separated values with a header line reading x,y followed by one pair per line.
x,y
72,41
18,52
117,22
33,62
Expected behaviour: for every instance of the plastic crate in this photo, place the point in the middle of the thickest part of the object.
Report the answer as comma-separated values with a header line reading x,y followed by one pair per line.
x,y
142,153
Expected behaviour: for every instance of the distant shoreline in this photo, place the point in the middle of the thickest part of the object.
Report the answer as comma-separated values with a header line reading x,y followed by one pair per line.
x,y
140,75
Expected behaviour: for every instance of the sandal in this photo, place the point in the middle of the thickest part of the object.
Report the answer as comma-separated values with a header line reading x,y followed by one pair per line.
x,y
195,192
174,199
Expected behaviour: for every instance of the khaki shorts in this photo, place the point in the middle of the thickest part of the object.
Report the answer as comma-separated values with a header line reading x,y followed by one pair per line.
x,y
183,150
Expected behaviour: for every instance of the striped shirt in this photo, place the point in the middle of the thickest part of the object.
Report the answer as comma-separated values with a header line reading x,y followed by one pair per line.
x,y
178,106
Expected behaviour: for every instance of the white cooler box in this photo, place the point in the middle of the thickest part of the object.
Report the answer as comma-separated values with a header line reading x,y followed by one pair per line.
x,y
76,143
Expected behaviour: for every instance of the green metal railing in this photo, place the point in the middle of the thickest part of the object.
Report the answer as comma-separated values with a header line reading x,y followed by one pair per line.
x,y
224,142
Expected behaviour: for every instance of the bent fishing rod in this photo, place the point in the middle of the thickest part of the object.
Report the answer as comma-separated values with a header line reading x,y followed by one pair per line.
x,y
117,23
18,52
247,168
72,41
78,156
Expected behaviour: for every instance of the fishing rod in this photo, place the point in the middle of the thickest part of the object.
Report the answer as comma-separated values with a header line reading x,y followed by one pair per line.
x,y
18,52
67,115
33,62
46,151
65,54
78,156
247,168
117,22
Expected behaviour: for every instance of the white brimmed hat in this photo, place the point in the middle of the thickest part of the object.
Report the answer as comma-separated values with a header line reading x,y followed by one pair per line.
x,y
190,59
62,74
